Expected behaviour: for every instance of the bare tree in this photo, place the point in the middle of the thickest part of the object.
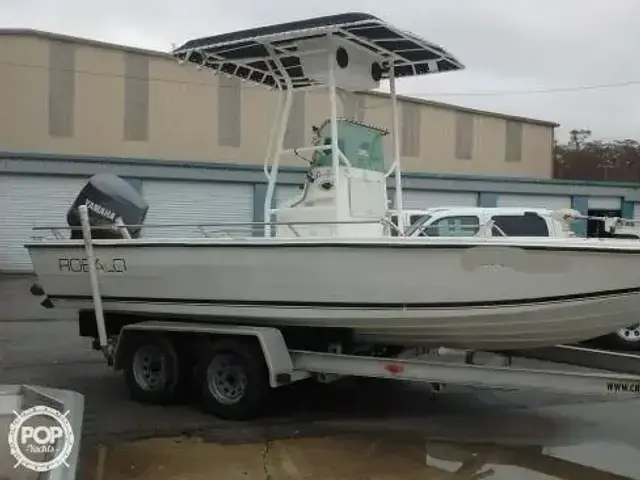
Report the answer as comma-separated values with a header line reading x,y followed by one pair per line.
x,y
583,158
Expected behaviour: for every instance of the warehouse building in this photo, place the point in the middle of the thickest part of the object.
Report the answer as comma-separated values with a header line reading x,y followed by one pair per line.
x,y
194,144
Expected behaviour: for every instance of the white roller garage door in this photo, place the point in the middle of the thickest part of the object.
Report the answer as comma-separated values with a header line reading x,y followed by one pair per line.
x,y
285,193
605,203
534,201
173,201
421,199
27,201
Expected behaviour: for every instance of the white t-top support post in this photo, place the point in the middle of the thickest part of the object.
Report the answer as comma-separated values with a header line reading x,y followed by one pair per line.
x,y
396,147
335,154
279,140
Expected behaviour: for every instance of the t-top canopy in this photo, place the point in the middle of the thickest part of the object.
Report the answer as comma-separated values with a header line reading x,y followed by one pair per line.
x,y
245,54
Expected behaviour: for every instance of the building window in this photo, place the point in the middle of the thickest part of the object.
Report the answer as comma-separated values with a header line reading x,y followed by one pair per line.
x,y
410,126
62,74
229,111
513,143
294,137
456,226
136,98
464,135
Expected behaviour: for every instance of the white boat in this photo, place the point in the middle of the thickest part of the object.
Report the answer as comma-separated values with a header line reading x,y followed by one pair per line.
x,y
329,260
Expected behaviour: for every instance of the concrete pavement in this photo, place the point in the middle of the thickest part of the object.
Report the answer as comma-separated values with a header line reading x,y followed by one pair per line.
x,y
17,304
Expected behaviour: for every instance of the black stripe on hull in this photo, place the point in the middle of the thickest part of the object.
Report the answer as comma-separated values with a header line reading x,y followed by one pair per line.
x,y
361,305
316,246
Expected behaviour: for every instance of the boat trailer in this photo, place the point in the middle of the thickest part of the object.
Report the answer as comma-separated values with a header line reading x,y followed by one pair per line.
x,y
598,372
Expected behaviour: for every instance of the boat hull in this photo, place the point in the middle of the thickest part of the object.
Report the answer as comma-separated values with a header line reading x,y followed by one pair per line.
x,y
468,294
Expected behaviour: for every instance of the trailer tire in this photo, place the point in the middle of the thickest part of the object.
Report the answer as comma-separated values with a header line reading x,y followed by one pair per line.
x,y
623,339
234,380
144,355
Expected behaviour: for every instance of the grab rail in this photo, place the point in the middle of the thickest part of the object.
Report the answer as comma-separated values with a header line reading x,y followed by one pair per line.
x,y
212,224
224,228
411,231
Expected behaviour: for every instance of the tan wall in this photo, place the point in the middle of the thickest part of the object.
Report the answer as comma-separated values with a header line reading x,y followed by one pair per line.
x,y
184,123
438,143
23,101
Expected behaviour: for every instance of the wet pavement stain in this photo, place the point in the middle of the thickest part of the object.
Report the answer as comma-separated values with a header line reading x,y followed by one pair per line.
x,y
161,459
572,442
355,457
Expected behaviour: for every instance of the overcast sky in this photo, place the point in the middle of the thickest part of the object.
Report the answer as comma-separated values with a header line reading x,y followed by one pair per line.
x,y
506,45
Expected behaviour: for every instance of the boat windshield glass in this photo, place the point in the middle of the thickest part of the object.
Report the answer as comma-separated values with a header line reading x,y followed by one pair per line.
x,y
361,144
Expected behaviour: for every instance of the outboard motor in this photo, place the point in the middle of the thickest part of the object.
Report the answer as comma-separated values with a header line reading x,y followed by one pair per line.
x,y
108,197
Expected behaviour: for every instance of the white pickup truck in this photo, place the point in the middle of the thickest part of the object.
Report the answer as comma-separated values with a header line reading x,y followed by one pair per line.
x,y
484,221
515,222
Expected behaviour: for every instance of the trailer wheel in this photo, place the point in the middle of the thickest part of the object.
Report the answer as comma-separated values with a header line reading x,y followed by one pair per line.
x,y
234,380
624,339
154,371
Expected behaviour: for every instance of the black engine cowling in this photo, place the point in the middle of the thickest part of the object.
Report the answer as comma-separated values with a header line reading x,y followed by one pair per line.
x,y
107,198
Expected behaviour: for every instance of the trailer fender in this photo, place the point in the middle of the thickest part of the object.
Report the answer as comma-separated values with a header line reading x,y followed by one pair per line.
x,y
271,341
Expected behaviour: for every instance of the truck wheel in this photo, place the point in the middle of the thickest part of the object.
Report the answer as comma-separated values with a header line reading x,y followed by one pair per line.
x,y
234,380
154,371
